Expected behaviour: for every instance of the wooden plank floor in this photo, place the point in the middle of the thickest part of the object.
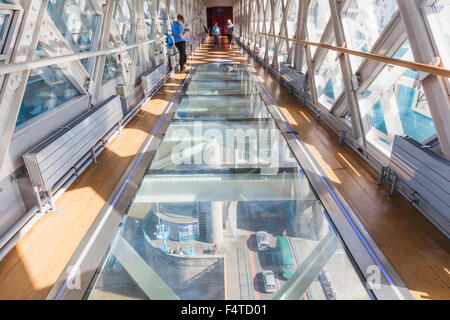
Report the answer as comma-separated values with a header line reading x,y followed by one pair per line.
x,y
415,248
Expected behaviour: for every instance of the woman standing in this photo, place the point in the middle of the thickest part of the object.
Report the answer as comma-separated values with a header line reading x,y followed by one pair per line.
x,y
229,29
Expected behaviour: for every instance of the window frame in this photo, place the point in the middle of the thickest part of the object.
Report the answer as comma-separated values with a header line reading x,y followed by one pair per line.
x,y
15,13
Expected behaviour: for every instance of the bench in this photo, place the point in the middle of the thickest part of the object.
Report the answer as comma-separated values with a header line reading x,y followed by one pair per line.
x,y
294,80
69,151
427,176
153,79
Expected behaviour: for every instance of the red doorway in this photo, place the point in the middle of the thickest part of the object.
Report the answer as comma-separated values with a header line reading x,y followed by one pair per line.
x,y
219,15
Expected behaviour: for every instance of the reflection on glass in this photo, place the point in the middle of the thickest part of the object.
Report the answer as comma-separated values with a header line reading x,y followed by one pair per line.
x,y
75,19
202,229
363,23
122,18
329,81
318,15
113,68
149,20
264,39
396,104
262,49
162,17
291,22
234,107
283,52
3,24
441,9
47,88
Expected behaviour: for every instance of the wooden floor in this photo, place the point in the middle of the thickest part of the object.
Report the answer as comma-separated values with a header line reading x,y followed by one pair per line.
x,y
415,248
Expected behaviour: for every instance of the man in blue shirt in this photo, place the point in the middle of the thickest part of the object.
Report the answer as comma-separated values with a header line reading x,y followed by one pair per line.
x,y
180,41
216,32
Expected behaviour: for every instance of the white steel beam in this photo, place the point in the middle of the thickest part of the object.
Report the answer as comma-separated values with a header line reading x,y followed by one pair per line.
x,y
15,82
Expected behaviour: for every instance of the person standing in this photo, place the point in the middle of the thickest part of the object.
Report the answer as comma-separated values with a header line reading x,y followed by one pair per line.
x,y
180,41
216,33
229,30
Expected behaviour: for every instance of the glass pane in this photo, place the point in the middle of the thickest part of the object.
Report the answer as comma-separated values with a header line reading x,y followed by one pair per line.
x,y
268,15
318,16
113,68
149,20
225,211
122,18
47,88
363,23
278,18
172,13
75,19
283,52
3,23
329,81
262,50
396,104
162,17
441,9
292,18
291,22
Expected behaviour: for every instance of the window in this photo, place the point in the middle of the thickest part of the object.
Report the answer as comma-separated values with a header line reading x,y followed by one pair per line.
x,y
162,16
292,18
149,20
363,23
396,104
277,23
76,20
348,118
172,14
278,18
113,68
123,21
3,24
329,81
268,15
318,16
259,26
122,18
6,18
438,13
47,88
264,39
291,22
150,26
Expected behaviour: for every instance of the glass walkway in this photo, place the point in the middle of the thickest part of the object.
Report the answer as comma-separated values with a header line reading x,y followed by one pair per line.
x,y
225,210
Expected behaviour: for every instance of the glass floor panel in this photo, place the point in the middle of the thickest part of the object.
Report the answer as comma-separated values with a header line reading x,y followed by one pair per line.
x,y
198,145
222,107
218,67
208,87
223,75
218,218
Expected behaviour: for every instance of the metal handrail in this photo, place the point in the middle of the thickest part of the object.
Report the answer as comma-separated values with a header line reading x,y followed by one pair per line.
x,y
22,66
427,68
